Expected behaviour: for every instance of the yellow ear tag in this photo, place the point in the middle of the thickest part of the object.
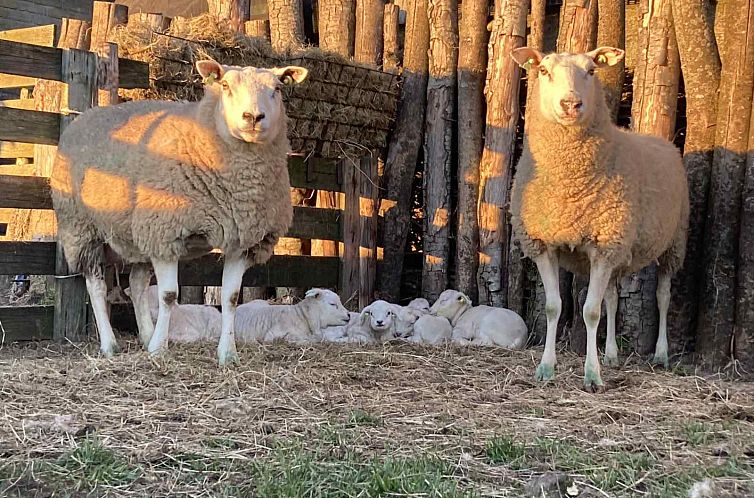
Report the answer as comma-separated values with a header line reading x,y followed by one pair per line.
x,y
527,65
602,59
210,79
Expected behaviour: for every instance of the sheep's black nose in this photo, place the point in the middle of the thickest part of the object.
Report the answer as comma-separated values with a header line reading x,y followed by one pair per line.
x,y
571,105
379,322
252,118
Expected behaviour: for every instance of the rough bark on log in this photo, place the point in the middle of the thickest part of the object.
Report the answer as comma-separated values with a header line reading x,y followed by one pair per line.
x,y
717,311
258,28
611,32
403,151
743,341
234,12
368,35
578,26
700,66
438,144
337,26
286,24
391,50
472,64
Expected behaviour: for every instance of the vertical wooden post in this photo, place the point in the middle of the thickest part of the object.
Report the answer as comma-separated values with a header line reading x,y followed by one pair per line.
x,y
337,26
351,234
235,12
79,69
260,28
368,219
286,24
105,16
390,49
368,47
107,73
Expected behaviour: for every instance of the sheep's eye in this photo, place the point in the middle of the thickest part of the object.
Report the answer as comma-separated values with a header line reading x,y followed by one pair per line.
x,y
460,298
225,86
591,72
334,304
542,70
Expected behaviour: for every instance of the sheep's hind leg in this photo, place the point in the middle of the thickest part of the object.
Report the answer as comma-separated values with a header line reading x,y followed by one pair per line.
x,y
611,304
167,291
599,277
97,288
663,303
233,270
547,264
139,282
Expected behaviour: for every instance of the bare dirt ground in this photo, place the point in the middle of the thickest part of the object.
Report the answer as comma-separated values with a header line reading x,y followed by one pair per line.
x,y
339,421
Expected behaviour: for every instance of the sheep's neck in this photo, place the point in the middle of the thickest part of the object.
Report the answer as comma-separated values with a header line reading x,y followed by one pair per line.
x,y
458,315
302,310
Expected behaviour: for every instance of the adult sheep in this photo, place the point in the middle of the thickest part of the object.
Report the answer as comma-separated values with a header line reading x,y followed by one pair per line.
x,y
159,182
594,199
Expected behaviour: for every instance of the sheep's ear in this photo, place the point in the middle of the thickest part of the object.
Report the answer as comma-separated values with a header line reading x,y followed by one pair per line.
x,y
312,293
527,57
291,75
364,315
210,70
127,291
606,56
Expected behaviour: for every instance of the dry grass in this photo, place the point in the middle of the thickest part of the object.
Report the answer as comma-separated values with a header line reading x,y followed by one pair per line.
x,y
334,420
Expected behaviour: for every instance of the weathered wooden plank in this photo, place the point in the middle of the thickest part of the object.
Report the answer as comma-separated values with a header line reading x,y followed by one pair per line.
x,y
24,192
19,125
25,323
27,104
30,258
133,74
368,180
13,81
27,169
351,236
24,59
316,173
16,149
36,35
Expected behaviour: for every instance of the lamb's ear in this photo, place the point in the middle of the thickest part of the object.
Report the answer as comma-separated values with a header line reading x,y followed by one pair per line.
x,y
606,56
210,70
527,57
312,293
291,75
364,315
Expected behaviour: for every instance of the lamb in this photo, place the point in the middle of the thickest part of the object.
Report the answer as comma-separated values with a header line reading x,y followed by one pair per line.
x,y
594,199
431,329
159,182
482,325
420,304
406,317
339,333
376,324
302,323
188,322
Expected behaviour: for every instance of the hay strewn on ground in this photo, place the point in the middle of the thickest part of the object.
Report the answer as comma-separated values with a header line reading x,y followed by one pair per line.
x,y
336,420
342,108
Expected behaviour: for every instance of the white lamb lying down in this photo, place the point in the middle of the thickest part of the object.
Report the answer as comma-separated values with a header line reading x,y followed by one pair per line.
x,y
431,329
339,333
420,304
480,325
375,324
188,322
303,322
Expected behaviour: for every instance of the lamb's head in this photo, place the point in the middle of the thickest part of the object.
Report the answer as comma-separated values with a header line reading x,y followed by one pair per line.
x,y
380,316
406,317
250,105
420,304
324,306
451,304
568,89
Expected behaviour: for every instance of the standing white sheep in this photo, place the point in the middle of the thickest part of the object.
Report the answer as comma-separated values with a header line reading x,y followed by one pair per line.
x,y
480,325
303,322
159,182
594,199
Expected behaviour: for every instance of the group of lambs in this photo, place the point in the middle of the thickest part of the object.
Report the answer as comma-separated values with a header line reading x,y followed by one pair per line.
x,y
320,316
157,182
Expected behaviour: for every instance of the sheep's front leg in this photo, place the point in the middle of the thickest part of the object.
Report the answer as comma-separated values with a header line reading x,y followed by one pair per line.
x,y
97,289
547,264
663,303
233,270
611,304
139,283
599,277
167,292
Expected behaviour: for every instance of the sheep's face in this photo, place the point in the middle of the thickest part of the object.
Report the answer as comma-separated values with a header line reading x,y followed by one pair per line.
x,y
450,304
419,304
567,85
331,310
381,316
405,319
250,107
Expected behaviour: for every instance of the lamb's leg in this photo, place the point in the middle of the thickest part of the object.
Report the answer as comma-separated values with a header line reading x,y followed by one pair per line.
x,y
663,302
233,270
167,290
139,283
611,304
97,288
547,264
599,277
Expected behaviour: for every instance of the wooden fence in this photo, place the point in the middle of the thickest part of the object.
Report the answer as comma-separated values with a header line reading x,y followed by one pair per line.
x,y
20,126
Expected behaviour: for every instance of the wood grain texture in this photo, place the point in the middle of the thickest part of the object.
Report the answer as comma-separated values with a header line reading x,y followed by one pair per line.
x,y
25,323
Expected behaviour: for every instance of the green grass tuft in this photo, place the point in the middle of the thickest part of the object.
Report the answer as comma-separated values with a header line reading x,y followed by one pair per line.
x,y
93,464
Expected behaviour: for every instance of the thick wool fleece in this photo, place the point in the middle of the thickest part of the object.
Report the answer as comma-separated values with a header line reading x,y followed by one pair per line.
x,y
623,193
153,179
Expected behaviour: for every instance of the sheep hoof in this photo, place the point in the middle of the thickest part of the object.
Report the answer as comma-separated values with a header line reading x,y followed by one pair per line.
x,y
545,371
593,382
661,359
611,361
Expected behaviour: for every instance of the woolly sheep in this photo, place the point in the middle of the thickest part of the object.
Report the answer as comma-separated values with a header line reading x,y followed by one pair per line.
x,y
406,317
483,325
376,323
188,322
431,329
594,199
420,304
160,182
339,333
303,322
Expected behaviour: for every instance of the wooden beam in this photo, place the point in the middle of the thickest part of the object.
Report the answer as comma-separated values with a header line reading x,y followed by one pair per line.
x,y
351,236
24,59
25,192
368,180
25,323
19,125
30,258
37,35
315,173
13,81
16,149
105,16
315,223
27,104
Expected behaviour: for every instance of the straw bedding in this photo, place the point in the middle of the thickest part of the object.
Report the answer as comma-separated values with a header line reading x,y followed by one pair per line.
x,y
342,108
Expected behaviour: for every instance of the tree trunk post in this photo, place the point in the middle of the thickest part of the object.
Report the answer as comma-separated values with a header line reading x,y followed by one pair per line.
x,y
235,12
403,151
369,37
368,203
390,51
259,29
611,32
286,24
349,289
337,26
